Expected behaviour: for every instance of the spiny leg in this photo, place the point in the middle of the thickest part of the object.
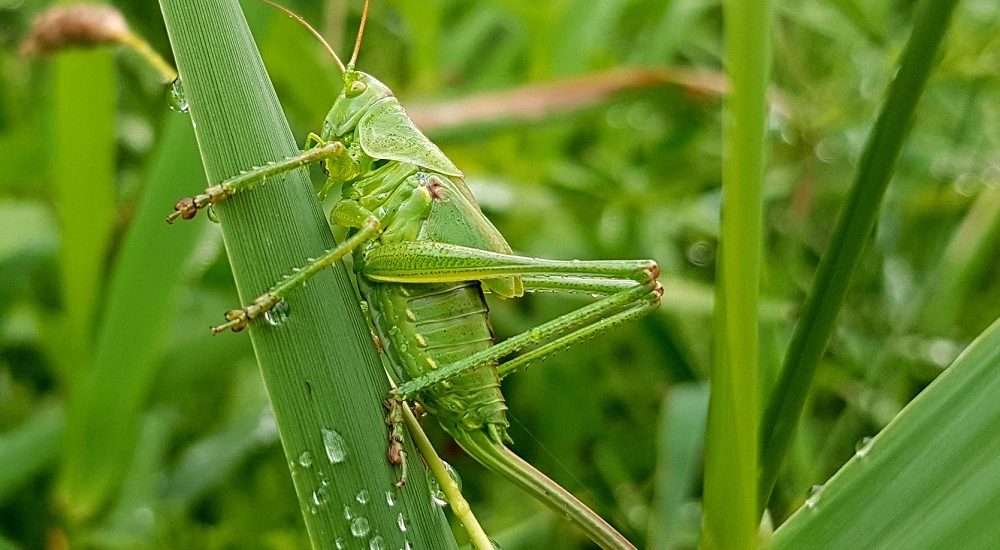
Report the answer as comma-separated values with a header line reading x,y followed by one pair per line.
x,y
630,286
551,336
573,338
188,207
238,319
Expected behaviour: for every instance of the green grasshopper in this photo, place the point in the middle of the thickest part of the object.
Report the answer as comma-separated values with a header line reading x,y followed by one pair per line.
x,y
424,254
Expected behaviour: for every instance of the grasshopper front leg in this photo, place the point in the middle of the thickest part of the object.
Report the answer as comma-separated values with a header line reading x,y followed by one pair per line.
x,y
188,207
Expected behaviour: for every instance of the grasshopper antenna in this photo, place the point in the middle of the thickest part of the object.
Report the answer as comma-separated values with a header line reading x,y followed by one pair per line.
x,y
361,32
316,33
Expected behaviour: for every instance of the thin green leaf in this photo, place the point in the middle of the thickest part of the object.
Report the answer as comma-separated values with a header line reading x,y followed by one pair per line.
x,y
141,305
27,449
850,236
682,436
83,175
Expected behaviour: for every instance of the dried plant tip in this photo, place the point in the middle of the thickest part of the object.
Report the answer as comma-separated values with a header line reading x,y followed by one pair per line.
x,y
78,25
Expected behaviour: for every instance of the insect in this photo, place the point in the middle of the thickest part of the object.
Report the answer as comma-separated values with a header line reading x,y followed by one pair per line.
x,y
424,254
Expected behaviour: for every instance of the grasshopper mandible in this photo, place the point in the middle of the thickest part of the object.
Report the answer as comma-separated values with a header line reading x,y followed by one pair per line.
x,y
424,254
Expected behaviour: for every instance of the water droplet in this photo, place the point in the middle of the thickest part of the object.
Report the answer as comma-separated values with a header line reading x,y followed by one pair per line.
x,y
178,101
319,496
336,449
277,314
341,545
359,527
862,447
407,545
390,499
815,492
213,216
376,543
402,522
453,473
437,493
362,497
701,253
305,459
348,513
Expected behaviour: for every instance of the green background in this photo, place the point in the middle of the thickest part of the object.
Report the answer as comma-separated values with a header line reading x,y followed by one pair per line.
x,y
91,160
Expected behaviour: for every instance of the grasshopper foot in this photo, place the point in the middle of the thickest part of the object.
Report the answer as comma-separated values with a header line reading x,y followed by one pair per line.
x,y
188,207
238,319
184,209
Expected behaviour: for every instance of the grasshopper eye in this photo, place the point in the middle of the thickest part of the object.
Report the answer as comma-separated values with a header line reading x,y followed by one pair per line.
x,y
356,88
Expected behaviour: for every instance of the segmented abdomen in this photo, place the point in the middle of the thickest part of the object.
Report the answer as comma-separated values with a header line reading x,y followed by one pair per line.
x,y
426,326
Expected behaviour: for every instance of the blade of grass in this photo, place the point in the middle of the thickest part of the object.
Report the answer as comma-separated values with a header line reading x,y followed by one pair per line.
x,y
853,228
682,436
968,254
930,479
28,448
83,175
108,398
731,516
319,366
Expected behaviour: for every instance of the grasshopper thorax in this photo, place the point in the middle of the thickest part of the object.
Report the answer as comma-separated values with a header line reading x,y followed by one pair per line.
x,y
361,92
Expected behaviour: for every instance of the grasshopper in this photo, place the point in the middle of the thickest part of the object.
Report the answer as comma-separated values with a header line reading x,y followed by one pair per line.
x,y
423,256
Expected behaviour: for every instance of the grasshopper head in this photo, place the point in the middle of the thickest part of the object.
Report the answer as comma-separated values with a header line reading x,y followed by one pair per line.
x,y
361,91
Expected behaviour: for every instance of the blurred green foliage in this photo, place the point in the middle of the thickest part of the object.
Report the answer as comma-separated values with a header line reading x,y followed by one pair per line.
x,y
617,421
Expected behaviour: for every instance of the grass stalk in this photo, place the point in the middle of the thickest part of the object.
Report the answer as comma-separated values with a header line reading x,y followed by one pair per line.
x,y
731,518
850,236
109,396
320,368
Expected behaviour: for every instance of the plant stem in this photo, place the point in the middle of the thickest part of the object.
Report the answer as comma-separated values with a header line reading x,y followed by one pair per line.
x,y
731,516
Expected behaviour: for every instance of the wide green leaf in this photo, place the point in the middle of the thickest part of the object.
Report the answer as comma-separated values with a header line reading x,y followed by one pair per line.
x,y
930,479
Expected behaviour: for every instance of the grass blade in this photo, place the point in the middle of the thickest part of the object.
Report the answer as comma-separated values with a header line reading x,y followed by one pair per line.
x,y
930,479
850,236
319,366
107,399
83,169
27,449
681,441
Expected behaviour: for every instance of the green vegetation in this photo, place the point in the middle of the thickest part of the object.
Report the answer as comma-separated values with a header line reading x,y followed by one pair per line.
x,y
125,424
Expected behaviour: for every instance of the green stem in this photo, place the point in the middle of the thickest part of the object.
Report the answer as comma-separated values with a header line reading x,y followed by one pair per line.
x,y
319,365
504,462
853,228
731,448
459,506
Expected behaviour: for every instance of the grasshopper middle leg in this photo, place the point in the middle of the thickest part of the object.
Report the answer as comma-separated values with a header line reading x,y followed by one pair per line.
x,y
238,319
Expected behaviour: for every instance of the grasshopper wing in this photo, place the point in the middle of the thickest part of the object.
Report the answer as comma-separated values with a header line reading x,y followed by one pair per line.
x,y
386,132
455,220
